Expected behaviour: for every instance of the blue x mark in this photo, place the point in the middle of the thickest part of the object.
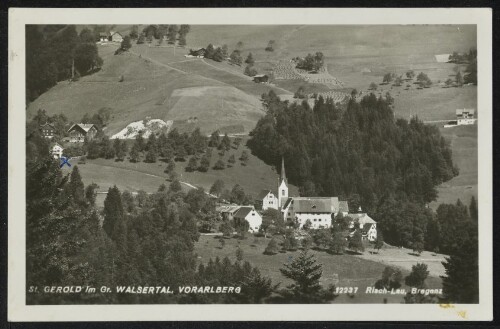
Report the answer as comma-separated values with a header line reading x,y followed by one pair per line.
x,y
64,161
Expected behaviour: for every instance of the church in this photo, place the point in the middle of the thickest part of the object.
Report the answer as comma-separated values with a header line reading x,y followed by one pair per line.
x,y
318,211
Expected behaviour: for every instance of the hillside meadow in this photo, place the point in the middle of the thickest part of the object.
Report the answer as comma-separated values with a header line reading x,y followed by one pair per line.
x,y
351,270
126,175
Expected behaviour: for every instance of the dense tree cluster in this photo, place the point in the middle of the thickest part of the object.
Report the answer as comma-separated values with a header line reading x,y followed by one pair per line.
x,y
55,53
173,33
361,151
312,62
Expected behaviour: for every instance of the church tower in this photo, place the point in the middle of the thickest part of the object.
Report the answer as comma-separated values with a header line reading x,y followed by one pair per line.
x,y
282,186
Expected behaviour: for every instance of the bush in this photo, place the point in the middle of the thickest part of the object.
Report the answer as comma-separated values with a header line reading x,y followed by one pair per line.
x,y
272,247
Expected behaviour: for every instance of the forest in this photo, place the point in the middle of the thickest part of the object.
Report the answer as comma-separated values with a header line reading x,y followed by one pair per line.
x,y
55,53
362,154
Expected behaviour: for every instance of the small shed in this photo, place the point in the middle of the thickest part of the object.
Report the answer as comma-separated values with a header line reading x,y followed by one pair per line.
x,y
259,78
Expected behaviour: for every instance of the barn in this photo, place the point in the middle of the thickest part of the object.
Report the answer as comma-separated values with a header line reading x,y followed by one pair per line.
x,y
259,78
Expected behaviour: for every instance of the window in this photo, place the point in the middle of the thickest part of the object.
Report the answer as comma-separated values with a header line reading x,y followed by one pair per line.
x,y
283,192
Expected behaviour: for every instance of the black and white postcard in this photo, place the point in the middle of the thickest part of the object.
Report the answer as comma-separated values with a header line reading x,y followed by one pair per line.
x,y
250,164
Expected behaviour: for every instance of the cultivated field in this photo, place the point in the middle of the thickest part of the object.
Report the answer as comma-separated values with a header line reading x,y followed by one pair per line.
x,y
352,271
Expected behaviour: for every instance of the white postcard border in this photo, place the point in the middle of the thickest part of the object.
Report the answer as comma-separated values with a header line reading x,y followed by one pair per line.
x,y
19,311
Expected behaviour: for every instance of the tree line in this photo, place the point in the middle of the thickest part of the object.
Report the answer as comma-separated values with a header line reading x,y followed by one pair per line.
x,y
55,53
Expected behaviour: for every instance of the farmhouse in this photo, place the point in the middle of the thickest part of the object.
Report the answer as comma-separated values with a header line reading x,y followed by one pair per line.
x,y
317,210
249,214
78,132
366,224
200,52
103,36
465,116
56,150
115,36
266,199
227,211
260,78
48,130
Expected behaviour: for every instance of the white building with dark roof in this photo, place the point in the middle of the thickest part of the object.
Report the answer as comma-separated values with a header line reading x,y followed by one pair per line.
x,y
319,211
366,224
266,200
249,214
465,116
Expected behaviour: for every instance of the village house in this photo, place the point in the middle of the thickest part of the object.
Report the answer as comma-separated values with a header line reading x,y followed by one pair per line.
x,y
249,214
318,211
48,130
366,224
227,211
103,36
115,37
199,52
266,200
56,151
78,132
260,78
465,116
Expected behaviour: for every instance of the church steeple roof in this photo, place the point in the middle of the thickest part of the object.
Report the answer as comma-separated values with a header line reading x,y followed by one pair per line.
x,y
282,173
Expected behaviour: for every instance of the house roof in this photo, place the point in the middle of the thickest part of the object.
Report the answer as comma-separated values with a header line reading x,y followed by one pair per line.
x,y
113,33
85,126
262,194
55,144
343,206
363,218
461,111
243,212
260,75
366,228
46,124
316,205
227,208
287,202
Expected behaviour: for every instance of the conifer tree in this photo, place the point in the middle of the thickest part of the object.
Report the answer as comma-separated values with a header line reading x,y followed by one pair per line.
x,y
356,242
473,209
113,210
91,193
134,153
76,186
192,164
249,59
305,272
461,283
338,243
175,186
272,247
217,187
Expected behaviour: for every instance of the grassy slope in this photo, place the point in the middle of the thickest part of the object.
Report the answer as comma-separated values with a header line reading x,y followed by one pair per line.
x,y
353,271
464,186
147,91
148,176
